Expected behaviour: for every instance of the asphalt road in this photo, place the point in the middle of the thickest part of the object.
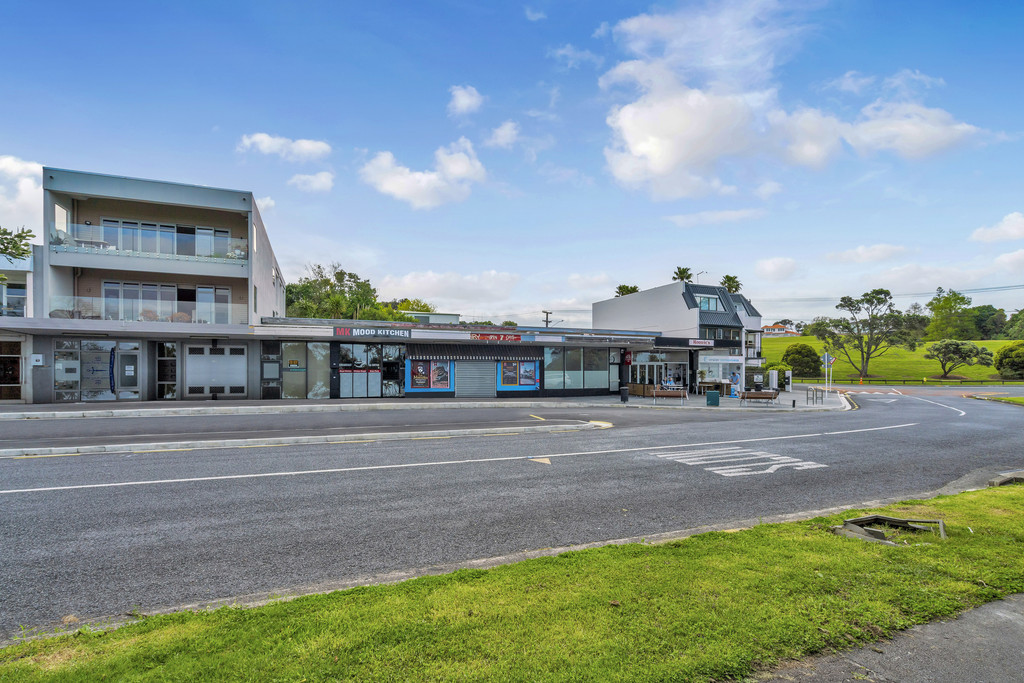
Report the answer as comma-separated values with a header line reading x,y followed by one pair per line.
x,y
106,534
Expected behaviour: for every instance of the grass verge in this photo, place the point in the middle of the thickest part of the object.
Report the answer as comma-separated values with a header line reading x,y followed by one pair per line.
x,y
709,607
897,364
1017,400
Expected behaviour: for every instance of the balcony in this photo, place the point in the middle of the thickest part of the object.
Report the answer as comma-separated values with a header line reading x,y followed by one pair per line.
x,y
152,241
205,310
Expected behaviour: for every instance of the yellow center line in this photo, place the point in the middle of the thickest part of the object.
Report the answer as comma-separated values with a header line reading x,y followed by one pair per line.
x,y
537,417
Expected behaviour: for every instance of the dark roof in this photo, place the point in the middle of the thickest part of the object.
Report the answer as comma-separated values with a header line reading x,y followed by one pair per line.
x,y
727,318
745,302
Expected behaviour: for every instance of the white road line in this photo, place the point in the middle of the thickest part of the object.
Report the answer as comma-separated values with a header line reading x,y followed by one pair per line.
x,y
749,462
336,470
943,405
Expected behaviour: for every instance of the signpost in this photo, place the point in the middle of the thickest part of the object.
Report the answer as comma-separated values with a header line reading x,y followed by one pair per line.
x,y
828,360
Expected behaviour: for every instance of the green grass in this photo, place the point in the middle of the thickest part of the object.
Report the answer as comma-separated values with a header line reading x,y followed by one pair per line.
x,y
1017,400
711,607
898,364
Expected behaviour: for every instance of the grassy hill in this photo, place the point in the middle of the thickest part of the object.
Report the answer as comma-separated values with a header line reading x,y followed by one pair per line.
x,y
896,364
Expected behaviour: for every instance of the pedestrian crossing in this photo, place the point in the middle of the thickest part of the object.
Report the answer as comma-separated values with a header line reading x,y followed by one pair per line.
x,y
735,461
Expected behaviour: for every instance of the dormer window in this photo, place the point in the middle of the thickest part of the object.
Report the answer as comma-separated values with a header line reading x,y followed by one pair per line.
x,y
708,303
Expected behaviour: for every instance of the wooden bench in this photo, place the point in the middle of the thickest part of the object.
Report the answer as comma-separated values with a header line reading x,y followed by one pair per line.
x,y
768,396
679,393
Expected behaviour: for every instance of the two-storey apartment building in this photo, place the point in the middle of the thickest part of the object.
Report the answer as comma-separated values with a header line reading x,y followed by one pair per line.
x,y
705,332
144,290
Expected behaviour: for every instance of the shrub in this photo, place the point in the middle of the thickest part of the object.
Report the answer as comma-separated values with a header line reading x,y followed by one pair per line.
x,y
803,359
1010,361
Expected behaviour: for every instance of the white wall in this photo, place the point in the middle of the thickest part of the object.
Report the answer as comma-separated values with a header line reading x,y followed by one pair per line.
x,y
660,309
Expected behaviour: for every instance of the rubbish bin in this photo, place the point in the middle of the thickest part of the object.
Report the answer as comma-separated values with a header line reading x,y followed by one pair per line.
x,y
624,394
712,398
758,386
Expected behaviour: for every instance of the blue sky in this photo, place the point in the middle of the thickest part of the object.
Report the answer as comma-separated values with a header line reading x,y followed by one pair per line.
x,y
499,159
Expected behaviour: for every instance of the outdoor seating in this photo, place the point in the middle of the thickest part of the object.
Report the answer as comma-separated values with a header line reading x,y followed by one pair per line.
x,y
769,396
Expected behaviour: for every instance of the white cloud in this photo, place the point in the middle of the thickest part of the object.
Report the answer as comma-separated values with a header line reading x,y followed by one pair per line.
x,y
1014,261
768,189
599,281
503,136
705,95
917,277
911,130
451,289
602,30
265,203
573,58
776,269
864,254
1011,227
689,220
905,82
318,182
21,194
852,82
291,150
534,14
465,100
456,168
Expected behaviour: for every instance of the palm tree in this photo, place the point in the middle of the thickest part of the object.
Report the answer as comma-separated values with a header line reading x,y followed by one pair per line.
x,y
682,275
731,283
624,290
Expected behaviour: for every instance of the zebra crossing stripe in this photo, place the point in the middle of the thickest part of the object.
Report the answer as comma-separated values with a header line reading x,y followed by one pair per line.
x,y
746,461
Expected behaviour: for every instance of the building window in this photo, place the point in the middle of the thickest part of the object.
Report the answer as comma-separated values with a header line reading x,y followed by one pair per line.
x,y
708,303
12,299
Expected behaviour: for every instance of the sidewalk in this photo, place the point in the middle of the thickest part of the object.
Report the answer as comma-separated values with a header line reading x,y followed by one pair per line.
x,y
788,402
983,644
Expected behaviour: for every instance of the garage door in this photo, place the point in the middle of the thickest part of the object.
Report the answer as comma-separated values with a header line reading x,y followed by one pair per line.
x,y
475,379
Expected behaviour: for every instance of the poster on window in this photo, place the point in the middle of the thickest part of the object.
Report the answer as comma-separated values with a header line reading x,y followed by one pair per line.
x,y
527,374
438,374
509,373
420,374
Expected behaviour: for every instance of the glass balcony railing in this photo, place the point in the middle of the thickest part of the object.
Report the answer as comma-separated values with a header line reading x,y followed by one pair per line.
x,y
158,242
149,311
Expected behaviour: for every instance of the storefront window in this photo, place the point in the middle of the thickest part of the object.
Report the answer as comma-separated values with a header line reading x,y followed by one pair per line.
x,y
574,368
554,367
595,368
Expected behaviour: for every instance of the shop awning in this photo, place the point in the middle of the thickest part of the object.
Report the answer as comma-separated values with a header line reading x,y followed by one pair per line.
x,y
474,352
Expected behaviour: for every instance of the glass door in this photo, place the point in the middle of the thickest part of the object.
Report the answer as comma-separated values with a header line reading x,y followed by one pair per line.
x,y
128,374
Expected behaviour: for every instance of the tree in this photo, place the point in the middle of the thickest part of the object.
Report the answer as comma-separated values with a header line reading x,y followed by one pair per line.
x,y
917,320
873,327
509,323
682,275
14,245
1010,361
803,359
950,316
623,290
955,353
785,322
332,293
988,320
417,305
1014,328
731,283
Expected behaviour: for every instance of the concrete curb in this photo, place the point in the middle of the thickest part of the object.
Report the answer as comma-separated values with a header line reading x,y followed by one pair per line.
x,y
206,410
289,440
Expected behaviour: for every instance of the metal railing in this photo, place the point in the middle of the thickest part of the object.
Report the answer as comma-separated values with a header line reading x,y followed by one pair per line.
x,y
155,244
148,310
922,381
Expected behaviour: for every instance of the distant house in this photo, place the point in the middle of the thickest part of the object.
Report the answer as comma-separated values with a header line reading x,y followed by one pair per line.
x,y
778,331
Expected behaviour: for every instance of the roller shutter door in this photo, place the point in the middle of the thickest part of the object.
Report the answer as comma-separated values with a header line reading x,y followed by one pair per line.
x,y
474,379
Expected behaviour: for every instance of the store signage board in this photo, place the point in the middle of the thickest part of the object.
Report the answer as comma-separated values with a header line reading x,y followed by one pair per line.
x,y
390,332
439,334
721,359
702,342
482,336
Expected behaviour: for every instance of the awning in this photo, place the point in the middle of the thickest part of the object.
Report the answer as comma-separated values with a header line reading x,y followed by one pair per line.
x,y
474,352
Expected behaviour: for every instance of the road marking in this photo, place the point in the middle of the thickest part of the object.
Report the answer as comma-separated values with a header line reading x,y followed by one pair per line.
x,y
943,405
753,462
437,463
538,418
882,400
542,461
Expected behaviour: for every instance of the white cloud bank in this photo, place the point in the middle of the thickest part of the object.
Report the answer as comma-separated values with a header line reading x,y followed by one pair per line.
x,y
776,269
451,288
534,14
290,150
456,168
465,100
21,194
1011,227
705,94
265,203
317,182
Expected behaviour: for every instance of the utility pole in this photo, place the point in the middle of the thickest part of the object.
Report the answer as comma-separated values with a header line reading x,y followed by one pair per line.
x,y
547,318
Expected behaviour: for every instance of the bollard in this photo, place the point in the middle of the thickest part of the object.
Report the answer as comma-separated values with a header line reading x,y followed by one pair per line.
x,y
794,403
